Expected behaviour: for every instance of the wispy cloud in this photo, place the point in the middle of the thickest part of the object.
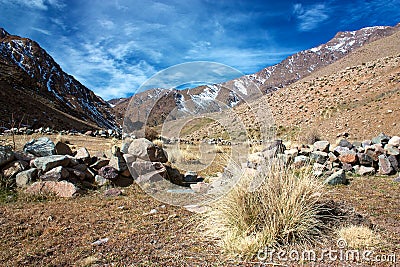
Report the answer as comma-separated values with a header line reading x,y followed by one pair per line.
x,y
310,16
46,32
36,4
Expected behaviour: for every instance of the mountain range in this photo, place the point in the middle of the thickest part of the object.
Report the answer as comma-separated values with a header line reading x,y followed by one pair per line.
x,y
37,92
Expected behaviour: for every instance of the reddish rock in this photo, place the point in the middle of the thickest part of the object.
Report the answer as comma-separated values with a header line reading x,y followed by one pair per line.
x,y
60,189
113,192
108,173
349,157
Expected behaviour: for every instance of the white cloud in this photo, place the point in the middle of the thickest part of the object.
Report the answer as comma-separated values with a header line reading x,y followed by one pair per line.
x,y
46,32
35,4
310,17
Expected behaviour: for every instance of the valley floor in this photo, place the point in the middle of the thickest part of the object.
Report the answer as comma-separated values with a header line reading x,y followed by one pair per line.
x,y
62,232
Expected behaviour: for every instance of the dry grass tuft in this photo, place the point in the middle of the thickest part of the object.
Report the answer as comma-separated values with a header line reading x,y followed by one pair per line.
x,y
359,237
283,210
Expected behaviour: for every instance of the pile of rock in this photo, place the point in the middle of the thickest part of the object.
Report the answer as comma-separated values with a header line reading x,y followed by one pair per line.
x,y
381,156
108,133
46,167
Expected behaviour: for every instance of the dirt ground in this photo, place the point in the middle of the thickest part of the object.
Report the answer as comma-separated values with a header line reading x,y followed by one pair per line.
x,y
62,232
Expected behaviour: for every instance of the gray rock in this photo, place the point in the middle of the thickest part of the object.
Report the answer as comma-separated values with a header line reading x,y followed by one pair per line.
x,y
63,149
276,147
146,150
319,156
381,139
394,163
345,143
365,159
145,171
366,171
108,172
300,161
100,180
6,155
60,189
40,147
347,167
13,168
56,174
385,167
339,150
366,143
117,161
49,162
391,150
394,141
322,146
336,178
83,154
26,177
397,180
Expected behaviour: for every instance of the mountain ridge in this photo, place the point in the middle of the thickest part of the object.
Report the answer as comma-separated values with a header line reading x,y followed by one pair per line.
x,y
43,87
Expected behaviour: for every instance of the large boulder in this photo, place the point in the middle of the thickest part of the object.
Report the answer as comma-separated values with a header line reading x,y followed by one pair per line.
x,y
60,189
50,162
336,178
40,147
146,150
6,155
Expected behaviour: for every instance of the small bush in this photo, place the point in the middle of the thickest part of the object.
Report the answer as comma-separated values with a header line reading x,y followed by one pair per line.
x,y
359,237
283,210
311,137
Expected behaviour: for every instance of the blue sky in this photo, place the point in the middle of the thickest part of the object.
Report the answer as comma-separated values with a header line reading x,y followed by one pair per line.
x,y
114,46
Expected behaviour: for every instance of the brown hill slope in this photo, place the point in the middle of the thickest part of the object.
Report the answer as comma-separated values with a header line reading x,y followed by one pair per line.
x,y
39,93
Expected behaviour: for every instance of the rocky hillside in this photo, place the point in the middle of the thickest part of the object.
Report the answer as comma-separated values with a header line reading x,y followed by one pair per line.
x,y
358,95
38,92
247,88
